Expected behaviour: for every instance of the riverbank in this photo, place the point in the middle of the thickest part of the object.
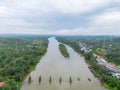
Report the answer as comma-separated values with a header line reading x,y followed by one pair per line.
x,y
17,64
89,59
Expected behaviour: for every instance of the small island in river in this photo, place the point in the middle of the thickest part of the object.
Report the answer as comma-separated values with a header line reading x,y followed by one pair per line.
x,y
63,50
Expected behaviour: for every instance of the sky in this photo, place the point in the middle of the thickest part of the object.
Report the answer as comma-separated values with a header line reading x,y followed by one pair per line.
x,y
60,17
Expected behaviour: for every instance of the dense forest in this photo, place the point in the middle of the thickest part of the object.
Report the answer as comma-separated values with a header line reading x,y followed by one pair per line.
x,y
108,47
18,57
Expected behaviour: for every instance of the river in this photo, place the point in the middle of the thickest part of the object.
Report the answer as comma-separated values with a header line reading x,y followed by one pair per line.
x,y
73,71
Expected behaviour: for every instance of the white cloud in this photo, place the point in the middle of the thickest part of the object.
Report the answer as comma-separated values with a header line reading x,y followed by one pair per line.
x,y
108,18
2,9
64,6
106,23
88,31
77,6
29,16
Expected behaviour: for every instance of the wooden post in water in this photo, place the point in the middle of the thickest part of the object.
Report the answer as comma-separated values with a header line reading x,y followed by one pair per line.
x,y
89,79
70,80
60,80
29,80
39,79
50,80
78,78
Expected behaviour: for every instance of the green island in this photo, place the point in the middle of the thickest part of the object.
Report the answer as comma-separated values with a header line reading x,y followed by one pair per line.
x,y
63,50
18,57
107,47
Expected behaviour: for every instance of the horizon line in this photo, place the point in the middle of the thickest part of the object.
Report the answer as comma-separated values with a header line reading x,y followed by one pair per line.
x,y
61,34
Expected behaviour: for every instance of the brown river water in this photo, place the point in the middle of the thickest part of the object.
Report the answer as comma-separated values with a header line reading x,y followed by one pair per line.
x,y
66,73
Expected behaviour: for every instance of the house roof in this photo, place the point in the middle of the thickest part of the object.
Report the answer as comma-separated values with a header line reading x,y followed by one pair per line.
x,y
112,64
1,84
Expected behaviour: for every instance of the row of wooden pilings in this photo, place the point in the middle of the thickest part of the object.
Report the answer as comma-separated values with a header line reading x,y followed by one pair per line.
x,y
50,79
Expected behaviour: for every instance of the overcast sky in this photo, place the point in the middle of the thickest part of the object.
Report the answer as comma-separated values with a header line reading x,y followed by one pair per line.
x,y
62,17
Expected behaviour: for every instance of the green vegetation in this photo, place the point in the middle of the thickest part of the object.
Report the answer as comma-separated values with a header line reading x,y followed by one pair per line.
x,y
18,57
107,47
63,50
108,80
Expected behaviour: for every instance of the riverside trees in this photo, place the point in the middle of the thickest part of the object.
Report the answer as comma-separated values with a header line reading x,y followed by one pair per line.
x,y
109,48
17,60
